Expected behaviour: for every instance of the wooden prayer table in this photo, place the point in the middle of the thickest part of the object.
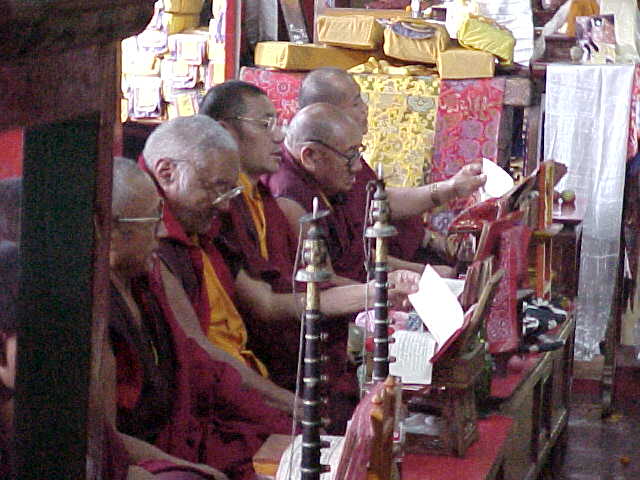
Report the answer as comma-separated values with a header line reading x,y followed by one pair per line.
x,y
537,398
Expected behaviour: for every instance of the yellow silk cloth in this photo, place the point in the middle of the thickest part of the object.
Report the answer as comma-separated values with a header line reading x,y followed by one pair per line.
x,y
253,200
226,328
402,124
373,65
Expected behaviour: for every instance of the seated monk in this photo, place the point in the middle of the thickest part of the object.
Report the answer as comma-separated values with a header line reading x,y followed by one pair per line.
x,y
321,158
337,87
119,452
174,389
195,161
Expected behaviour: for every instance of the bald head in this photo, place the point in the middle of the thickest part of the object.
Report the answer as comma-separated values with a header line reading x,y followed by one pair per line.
x,y
324,85
336,87
319,121
327,144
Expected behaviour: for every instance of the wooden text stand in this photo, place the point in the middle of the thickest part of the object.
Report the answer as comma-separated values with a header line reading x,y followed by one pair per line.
x,y
452,390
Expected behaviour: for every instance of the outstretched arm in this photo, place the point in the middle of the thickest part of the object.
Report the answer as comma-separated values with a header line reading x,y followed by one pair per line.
x,y
411,201
337,301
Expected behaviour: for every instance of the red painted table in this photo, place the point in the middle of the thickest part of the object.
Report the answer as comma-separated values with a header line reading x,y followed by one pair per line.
x,y
483,460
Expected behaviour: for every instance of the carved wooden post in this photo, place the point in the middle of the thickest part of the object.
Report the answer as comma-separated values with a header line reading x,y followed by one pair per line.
x,y
58,79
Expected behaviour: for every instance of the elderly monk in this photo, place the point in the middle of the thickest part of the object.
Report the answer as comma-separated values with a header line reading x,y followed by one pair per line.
x,y
337,87
195,162
174,388
322,157
258,226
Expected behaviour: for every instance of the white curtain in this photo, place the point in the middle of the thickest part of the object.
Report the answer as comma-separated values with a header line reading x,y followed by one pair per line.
x,y
586,128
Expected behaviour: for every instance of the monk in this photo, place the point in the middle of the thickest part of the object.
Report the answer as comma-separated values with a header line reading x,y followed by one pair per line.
x,y
337,87
195,162
259,226
173,390
322,157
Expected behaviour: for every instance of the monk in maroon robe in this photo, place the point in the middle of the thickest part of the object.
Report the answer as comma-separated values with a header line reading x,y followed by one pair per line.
x,y
172,391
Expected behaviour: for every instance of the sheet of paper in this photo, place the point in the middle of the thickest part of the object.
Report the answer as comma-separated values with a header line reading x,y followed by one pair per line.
x,y
412,351
498,183
437,306
456,285
328,456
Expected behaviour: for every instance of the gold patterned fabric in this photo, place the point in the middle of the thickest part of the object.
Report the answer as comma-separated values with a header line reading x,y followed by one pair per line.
x,y
402,121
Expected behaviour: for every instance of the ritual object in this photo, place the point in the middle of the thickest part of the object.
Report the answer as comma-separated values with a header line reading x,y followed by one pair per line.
x,y
381,230
314,255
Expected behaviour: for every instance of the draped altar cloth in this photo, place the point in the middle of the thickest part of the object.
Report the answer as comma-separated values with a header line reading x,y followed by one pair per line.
x,y
586,128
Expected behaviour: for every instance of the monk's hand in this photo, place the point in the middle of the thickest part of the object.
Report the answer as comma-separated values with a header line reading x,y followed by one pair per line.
x,y
468,180
401,284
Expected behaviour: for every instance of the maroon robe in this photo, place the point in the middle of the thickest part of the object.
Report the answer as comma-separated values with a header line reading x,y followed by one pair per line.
x,y
276,347
212,418
406,243
343,227
281,241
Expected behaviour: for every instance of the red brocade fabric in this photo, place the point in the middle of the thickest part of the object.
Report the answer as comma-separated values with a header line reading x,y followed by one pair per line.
x,y
467,129
502,330
282,88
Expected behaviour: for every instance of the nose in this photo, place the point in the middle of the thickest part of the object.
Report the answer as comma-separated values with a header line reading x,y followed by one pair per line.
x,y
279,131
356,165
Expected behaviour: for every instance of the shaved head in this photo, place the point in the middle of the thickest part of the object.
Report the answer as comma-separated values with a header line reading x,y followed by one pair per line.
x,y
188,139
336,87
319,121
324,85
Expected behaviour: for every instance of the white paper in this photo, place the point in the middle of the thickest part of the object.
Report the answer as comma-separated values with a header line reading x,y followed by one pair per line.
x,y
413,352
328,456
498,183
437,306
456,285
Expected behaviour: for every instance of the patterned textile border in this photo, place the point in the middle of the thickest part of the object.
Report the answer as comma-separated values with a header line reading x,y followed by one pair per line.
x,y
467,129
402,124
281,87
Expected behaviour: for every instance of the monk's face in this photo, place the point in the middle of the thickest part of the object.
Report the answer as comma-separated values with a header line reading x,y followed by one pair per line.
x,y
133,234
340,160
8,342
353,105
194,192
259,136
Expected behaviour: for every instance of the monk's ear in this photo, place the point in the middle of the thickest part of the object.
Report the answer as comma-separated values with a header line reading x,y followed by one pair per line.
x,y
310,157
7,360
165,172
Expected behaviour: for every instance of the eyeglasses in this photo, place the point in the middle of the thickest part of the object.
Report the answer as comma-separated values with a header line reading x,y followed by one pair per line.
x,y
228,195
350,158
139,219
269,124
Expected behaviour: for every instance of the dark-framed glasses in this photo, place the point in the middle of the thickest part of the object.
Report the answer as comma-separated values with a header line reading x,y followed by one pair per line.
x,y
350,158
228,195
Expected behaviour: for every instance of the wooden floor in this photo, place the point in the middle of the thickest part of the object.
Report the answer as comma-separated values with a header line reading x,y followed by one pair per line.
x,y
604,448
